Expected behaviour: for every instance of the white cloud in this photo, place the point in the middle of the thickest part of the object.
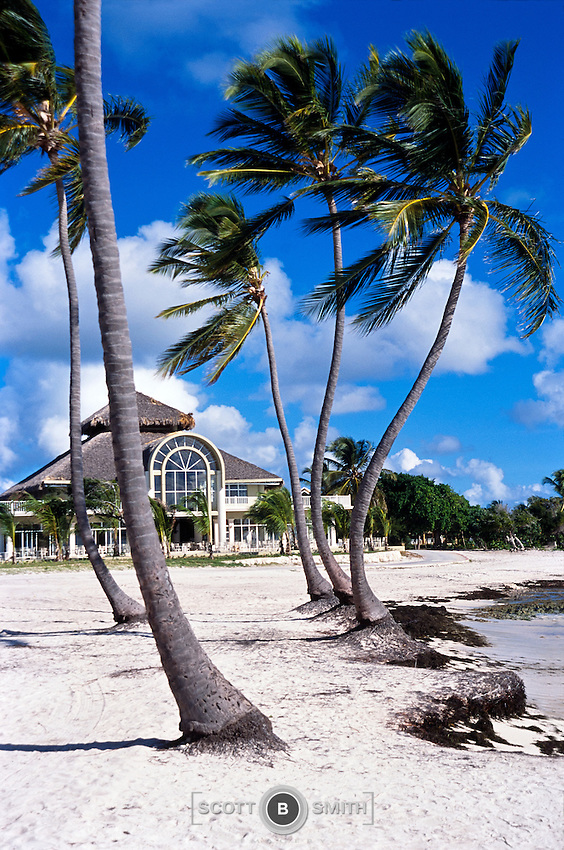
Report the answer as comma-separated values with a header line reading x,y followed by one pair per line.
x,y
213,67
7,434
549,407
444,444
229,430
478,332
552,336
487,479
244,25
481,480
351,399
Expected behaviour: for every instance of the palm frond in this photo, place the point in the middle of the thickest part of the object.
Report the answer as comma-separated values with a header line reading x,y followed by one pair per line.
x,y
218,342
523,252
128,118
183,310
493,96
407,271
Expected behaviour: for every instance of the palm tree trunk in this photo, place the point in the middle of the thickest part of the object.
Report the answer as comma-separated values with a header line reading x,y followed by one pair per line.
x,y
369,609
317,586
206,700
124,608
339,579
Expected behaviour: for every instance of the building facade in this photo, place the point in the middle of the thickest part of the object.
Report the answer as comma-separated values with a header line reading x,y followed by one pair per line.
x,y
177,463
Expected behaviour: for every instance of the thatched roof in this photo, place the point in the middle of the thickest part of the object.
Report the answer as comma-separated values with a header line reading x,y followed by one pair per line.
x,y
153,416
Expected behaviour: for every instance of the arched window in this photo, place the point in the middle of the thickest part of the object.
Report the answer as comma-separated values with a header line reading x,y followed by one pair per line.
x,y
180,466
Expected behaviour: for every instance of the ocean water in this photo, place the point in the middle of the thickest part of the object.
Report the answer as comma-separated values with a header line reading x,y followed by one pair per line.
x,y
532,648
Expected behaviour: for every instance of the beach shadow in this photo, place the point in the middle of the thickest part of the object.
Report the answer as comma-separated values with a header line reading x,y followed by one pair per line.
x,y
152,743
136,629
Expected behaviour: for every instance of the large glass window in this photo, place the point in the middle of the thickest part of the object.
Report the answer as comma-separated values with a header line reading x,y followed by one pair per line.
x,y
181,467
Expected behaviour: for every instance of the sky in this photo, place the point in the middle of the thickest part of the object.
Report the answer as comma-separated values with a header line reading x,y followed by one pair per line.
x,y
489,422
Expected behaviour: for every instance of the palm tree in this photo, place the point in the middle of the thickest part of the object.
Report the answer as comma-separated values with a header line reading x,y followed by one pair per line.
x,y
557,482
347,462
165,520
197,506
56,515
275,511
442,170
288,107
207,702
338,517
8,526
211,252
103,499
38,114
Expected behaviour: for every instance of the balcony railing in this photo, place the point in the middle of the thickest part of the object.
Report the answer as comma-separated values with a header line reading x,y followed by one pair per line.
x,y
345,501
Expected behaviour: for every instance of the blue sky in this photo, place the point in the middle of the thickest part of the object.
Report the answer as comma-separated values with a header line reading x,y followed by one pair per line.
x,y
490,421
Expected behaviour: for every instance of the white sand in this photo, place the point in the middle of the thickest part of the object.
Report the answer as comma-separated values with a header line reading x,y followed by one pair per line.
x,y
80,710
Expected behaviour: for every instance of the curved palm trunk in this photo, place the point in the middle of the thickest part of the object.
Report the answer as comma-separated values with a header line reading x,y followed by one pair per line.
x,y
339,579
124,608
317,586
369,609
206,700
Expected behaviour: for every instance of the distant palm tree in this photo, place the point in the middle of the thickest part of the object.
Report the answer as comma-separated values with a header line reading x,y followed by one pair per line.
x,y
207,702
274,510
212,251
56,515
197,506
337,517
38,115
164,523
347,462
557,481
288,107
441,170
8,526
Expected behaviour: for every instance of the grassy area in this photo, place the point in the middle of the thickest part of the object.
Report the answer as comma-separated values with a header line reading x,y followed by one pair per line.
x,y
77,565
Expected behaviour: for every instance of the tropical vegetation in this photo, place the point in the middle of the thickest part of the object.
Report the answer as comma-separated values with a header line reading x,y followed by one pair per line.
x,y
275,511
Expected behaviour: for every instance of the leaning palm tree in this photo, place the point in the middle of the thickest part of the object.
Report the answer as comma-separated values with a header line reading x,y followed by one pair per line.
x,y
274,510
288,104
443,169
38,115
347,462
207,702
210,252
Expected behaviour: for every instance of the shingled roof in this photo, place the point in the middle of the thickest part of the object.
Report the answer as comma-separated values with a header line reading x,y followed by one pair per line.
x,y
153,416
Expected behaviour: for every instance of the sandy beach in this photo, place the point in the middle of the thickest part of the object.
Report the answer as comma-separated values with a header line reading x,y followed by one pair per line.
x,y
83,708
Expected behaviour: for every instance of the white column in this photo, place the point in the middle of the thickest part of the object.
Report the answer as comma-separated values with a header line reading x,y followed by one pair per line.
x,y
221,520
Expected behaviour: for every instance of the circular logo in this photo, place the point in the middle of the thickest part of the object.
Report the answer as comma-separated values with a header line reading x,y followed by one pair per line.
x,y
283,810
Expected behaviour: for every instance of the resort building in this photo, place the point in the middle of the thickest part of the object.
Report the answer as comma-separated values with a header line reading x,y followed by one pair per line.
x,y
177,461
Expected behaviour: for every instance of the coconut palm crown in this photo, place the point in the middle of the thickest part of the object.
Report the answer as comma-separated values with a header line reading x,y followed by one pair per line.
x,y
202,255
441,169
38,108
